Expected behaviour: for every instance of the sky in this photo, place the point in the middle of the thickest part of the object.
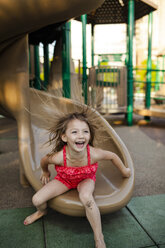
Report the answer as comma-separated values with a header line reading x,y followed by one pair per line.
x,y
108,39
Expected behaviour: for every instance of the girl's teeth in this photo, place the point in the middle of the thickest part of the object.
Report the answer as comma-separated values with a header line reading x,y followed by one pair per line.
x,y
80,145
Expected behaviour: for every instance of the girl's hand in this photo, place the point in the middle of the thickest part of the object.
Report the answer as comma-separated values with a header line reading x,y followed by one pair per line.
x,y
126,172
45,177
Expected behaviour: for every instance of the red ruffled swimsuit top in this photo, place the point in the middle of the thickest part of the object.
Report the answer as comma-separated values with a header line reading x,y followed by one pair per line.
x,y
72,176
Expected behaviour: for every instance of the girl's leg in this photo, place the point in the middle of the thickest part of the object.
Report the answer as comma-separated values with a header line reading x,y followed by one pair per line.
x,y
85,189
47,192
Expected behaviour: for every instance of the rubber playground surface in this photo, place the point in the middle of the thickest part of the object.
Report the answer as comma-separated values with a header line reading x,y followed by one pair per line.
x,y
141,224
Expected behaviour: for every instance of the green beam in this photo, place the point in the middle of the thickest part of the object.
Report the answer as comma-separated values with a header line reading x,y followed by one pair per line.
x,y
131,6
157,75
46,65
163,68
149,63
84,76
66,47
37,83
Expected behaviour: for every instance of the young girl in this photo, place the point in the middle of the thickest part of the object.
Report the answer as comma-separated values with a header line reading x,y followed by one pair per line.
x,y
75,161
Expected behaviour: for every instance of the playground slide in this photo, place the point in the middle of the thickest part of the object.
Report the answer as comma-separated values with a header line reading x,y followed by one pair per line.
x,y
112,191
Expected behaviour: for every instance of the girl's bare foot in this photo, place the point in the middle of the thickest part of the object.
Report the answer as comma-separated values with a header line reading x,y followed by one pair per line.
x,y
100,244
32,218
126,172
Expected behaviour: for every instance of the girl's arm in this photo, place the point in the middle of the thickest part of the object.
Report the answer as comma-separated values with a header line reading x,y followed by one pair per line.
x,y
45,161
100,154
45,174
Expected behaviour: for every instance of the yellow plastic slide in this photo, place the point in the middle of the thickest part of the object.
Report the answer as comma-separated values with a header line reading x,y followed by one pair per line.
x,y
17,19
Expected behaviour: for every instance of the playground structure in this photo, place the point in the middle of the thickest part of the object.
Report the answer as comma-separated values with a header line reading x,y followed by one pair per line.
x,y
107,89
149,93
145,96
19,101
115,92
128,12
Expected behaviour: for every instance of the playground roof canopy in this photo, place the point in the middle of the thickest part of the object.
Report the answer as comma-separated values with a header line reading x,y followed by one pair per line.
x,y
116,11
110,12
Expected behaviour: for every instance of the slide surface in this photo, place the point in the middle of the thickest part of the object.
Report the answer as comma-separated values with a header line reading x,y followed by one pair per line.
x,y
112,191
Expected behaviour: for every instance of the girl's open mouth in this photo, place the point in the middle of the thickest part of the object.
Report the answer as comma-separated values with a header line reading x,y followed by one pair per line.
x,y
80,144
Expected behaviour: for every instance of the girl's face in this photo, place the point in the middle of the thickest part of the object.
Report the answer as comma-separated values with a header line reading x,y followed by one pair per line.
x,y
77,135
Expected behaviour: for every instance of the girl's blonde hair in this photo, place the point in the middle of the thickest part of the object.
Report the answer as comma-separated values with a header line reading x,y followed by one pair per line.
x,y
60,127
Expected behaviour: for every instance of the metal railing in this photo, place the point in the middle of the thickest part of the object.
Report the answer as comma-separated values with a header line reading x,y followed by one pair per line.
x,y
156,87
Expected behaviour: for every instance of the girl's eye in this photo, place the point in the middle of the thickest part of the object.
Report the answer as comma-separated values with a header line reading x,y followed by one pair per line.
x,y
86,131
74,132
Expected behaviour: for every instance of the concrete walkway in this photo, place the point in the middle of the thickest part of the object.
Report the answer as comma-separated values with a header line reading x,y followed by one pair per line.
x,y
141,224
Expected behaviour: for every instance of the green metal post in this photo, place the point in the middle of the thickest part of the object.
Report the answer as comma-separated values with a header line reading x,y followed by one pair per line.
x,y
46,65
84,76
157,75
66,47
130,62
37,83
149,63
92,45
163,69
